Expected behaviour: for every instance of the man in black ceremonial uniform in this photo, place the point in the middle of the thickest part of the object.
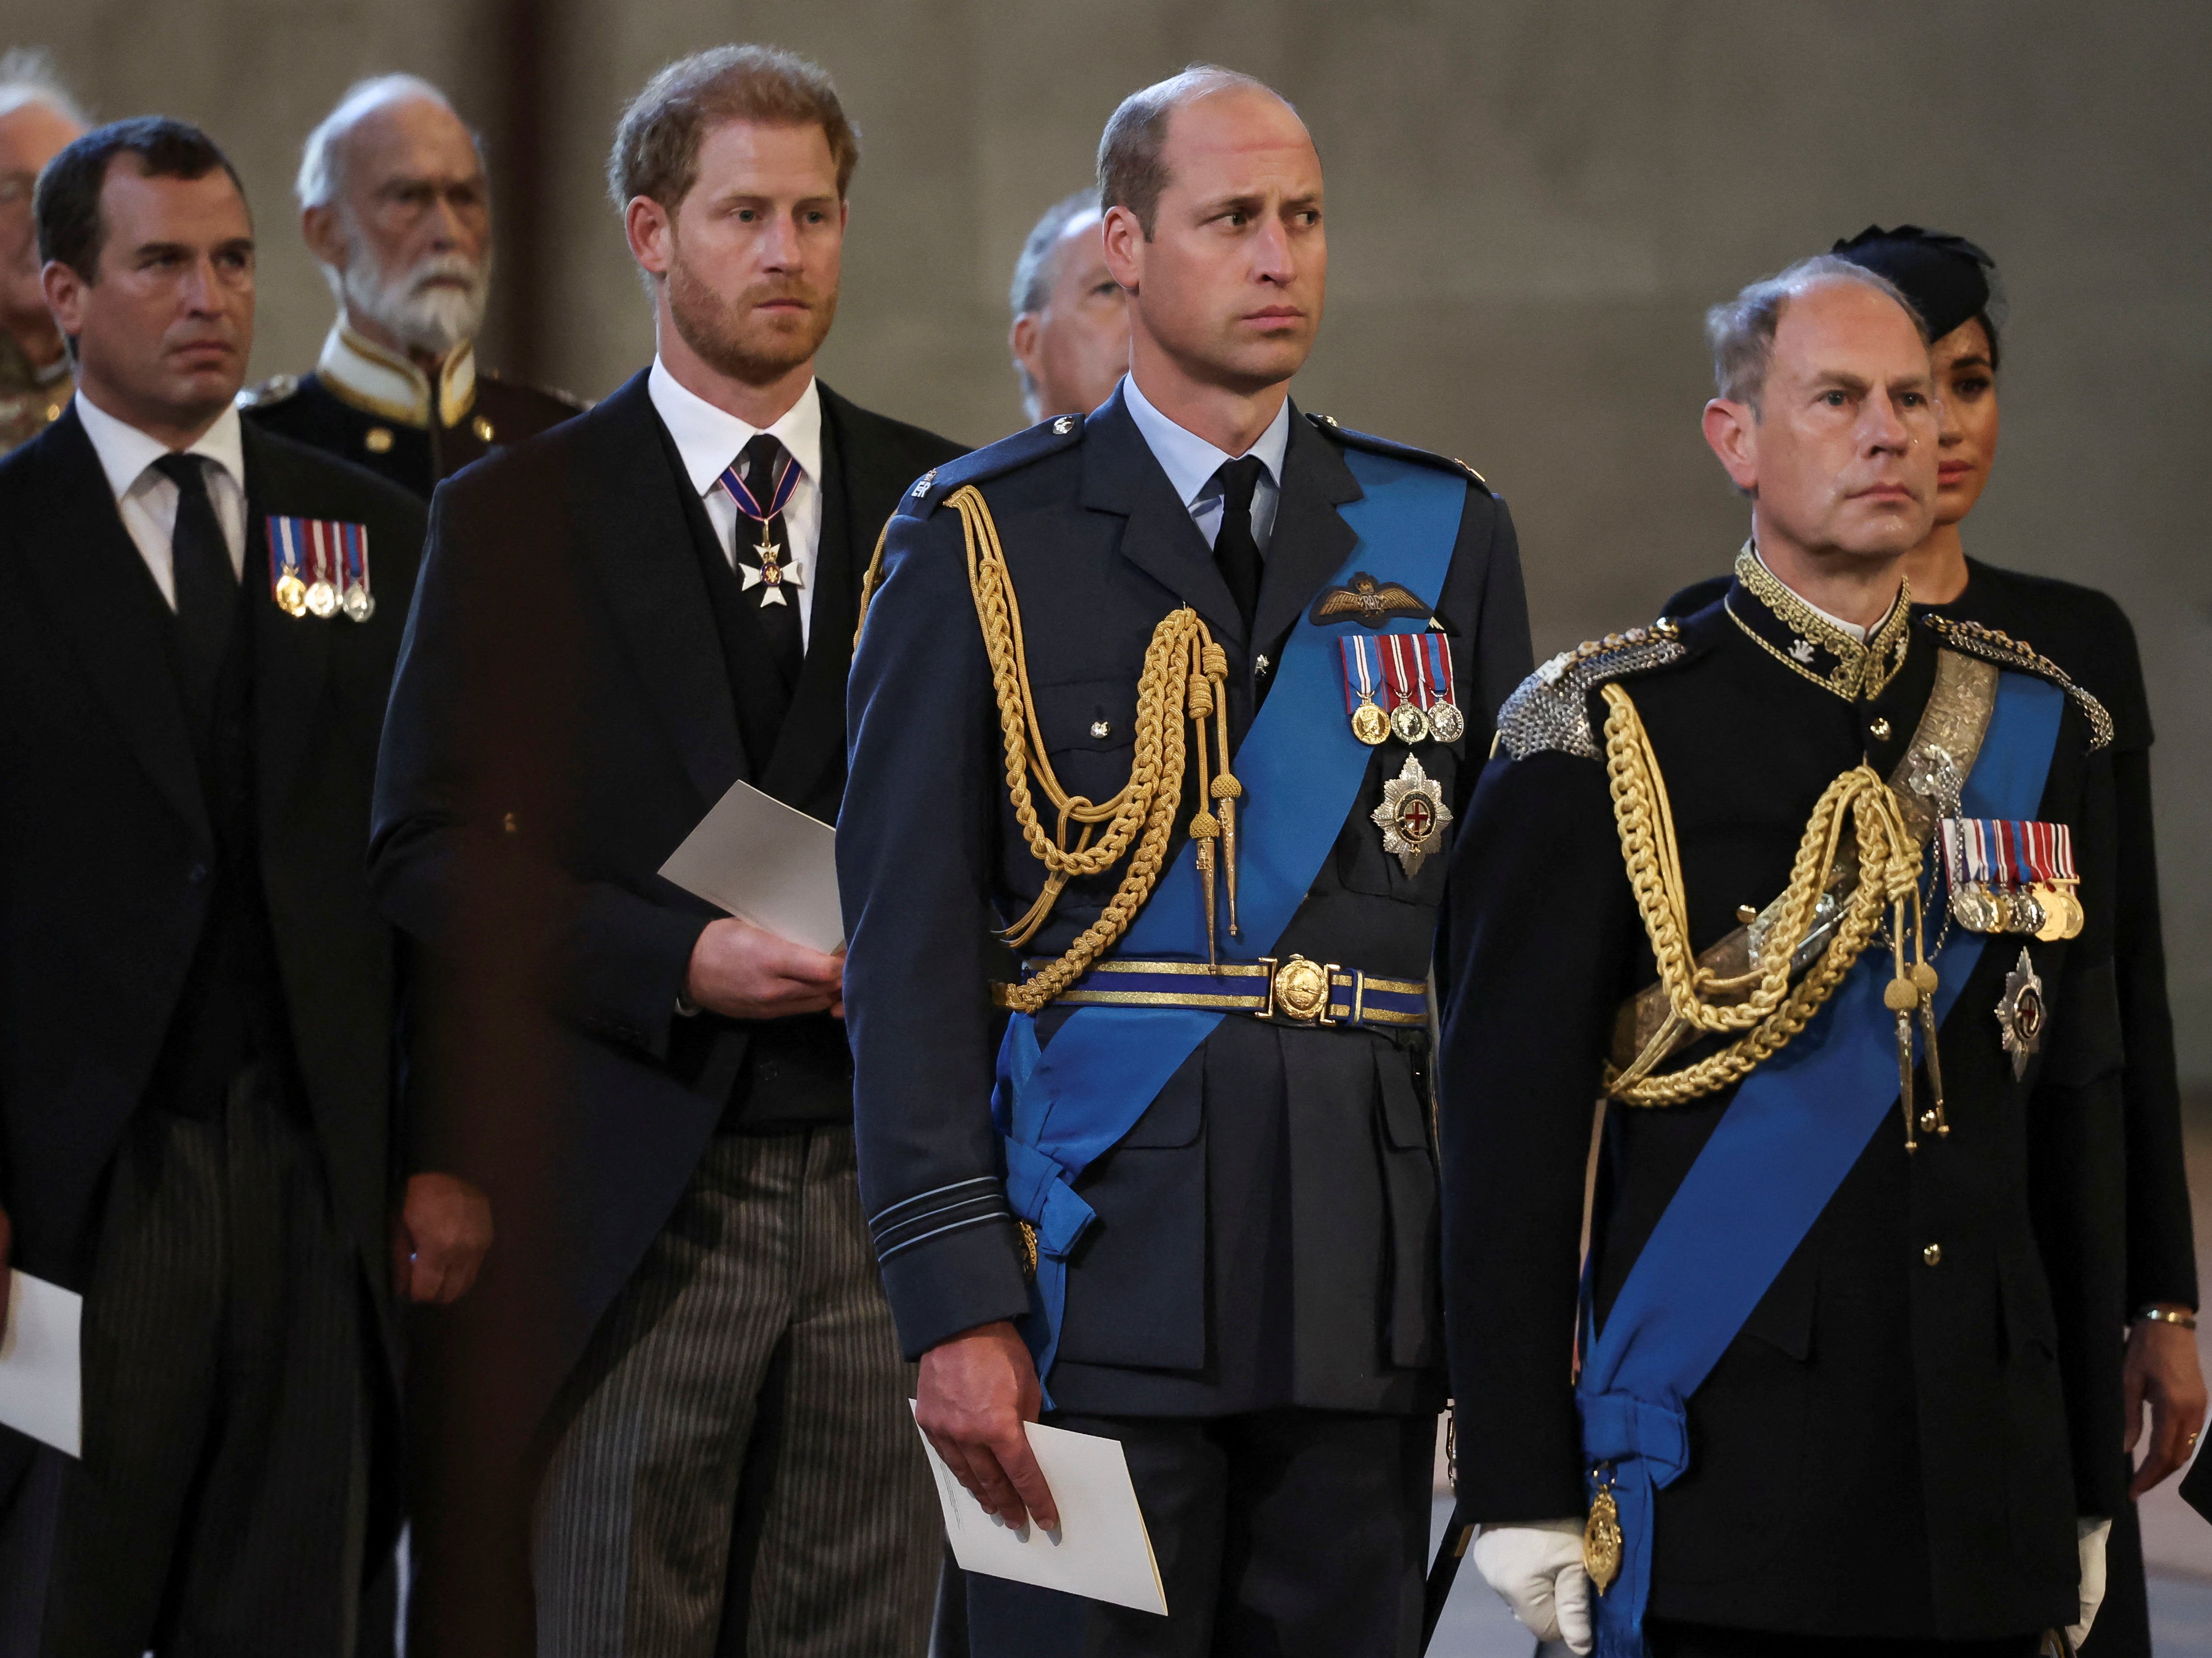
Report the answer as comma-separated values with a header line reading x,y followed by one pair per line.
x,y
1218,1245
620,620
1847,1378
397,210
198,625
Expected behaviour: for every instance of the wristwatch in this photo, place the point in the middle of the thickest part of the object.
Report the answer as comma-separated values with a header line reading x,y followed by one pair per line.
x,y
2186,1319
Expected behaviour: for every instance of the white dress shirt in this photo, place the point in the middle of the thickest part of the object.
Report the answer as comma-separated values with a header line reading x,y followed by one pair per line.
x,y
147,501
1191,464
709,441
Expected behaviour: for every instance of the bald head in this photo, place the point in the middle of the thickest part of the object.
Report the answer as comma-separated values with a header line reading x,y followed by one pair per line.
x,y
1134,163
396,207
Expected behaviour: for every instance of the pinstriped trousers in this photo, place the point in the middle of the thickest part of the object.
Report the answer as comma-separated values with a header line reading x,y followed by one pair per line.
x,y
763,1277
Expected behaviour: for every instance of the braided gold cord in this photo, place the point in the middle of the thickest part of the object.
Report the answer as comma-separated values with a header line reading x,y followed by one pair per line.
x,y
1773,1012
1175,684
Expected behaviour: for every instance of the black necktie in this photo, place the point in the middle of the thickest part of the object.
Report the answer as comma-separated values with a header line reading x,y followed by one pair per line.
x,y
1235,551
757,465
205,583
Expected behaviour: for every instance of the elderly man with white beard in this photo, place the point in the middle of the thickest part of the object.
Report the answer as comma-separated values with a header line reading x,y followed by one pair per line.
x,y
395,207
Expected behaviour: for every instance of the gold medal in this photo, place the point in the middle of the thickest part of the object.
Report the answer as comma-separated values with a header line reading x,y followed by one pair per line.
x,y
1975,908
322,599
291,594
1368,723
1602,1539
2053,905
1409,725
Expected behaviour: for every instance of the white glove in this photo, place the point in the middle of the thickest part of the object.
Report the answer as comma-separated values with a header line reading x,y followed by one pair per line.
x,y
1538,1569
2091,1536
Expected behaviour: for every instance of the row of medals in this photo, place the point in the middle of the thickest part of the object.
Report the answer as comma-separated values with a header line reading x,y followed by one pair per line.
x,y
322,599
2047,910
1409,722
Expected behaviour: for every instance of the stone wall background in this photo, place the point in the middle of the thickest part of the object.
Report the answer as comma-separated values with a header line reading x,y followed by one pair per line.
x,y
1531,201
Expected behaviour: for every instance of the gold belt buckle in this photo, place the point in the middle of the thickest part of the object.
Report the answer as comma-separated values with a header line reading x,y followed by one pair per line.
x,y
1297,989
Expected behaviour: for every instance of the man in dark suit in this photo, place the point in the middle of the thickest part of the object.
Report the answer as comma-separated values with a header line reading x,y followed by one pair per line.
x,y
1847,1377
619,621
1217,1246
198,626
396,208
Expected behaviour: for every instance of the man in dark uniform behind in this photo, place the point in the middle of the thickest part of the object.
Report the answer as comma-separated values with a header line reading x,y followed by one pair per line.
x,y
395,207
1219,1249
1848,1379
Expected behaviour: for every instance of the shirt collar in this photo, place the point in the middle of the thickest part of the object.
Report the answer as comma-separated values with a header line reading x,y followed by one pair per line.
x,y
1189,459
365,374
126,452
1852,662
708,439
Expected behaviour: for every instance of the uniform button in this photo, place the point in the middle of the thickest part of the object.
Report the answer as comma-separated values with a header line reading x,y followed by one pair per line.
x,y
197,874
1879,730
1261,665
1933,1254
1099,728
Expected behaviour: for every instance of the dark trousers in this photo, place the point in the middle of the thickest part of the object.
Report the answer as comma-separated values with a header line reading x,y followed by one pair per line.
x,y
2123,1625
221,1504
1672,1640
1279,1534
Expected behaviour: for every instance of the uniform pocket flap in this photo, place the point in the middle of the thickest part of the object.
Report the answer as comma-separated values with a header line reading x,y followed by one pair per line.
x,y
1783,1318
1095,714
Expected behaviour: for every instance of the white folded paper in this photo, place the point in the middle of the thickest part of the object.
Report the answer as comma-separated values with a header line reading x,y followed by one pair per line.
x,y
1101,1550
760,860
41,1390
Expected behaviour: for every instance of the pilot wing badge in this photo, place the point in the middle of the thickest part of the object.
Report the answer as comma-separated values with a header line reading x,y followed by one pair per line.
x,y
1366,601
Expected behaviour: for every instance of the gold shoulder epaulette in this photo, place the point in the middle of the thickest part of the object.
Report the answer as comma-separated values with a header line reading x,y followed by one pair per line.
x,y
274,390
1550,707
1994,644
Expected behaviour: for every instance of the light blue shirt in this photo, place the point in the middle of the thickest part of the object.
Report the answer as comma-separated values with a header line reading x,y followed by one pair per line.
x,y
1192,464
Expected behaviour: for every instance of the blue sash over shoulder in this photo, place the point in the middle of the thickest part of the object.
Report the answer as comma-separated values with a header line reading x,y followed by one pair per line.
x,y
1060,1107
1794,1130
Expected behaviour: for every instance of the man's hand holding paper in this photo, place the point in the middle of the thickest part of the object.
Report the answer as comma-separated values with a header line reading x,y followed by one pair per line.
x,y
744,972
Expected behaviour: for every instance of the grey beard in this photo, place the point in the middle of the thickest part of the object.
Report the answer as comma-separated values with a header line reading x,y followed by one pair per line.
x,y
434,320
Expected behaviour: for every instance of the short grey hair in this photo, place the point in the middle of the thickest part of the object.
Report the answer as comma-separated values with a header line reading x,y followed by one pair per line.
x,y
322,158
1032,284
1132,152
1740,331
28,76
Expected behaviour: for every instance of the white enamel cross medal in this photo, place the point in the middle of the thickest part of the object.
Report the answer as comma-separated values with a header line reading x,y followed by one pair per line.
x,y
769,575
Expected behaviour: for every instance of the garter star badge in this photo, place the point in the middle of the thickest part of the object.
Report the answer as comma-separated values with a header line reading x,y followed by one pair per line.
x,y
1411,816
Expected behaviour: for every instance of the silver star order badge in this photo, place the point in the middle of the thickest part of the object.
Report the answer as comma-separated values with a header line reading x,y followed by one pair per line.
x,y
769,574
2021,1014
1411,816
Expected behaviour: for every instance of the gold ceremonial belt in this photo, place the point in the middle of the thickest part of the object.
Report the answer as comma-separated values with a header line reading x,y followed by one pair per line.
x,y
1292,988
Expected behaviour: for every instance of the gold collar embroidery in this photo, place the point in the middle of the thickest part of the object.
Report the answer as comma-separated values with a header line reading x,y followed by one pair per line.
x,y
1806,642
363,374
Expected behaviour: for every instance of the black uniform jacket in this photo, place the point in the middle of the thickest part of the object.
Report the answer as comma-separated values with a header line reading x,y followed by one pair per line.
x,y
106,847
1265,1234
415,454
2089,633
565,714
1899,1440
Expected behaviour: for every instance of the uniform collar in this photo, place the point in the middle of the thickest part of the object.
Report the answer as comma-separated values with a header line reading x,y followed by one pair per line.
x,y
708,440
362,373
1189,459
126,452
1809,641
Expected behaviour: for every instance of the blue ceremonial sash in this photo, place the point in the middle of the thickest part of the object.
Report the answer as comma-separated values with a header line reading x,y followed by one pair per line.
x,y
1061,1108
1791,1133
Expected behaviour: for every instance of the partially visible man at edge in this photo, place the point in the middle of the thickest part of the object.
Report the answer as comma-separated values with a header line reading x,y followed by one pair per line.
x,y
1953,285
706,1430
37,117
1070,337
396,208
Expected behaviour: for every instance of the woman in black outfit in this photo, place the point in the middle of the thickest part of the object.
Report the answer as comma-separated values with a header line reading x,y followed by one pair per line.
x,y
1949,281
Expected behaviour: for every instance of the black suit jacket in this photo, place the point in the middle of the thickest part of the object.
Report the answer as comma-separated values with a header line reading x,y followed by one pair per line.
x,y
564,712
106,843
1895,1445
1265,1234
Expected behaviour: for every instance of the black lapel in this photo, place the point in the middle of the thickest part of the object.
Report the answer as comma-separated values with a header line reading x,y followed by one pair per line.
x,y
640,541
812,741
101,597
291,654
1121,475
1310,540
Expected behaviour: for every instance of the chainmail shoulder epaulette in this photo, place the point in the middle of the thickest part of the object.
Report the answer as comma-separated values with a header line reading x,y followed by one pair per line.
x,y
1551,709
1994,644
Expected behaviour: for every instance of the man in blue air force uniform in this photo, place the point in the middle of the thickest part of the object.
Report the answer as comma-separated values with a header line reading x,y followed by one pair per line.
x,y
1849,1354
1201,1203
